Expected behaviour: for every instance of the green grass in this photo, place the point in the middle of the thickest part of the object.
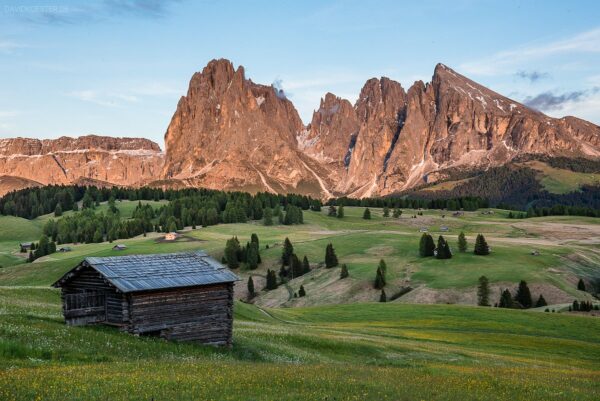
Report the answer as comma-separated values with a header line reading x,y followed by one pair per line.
x,y
562,181
346,352
358,351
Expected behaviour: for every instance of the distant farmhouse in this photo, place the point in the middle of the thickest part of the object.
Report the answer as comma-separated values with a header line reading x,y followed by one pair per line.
x,y
178,296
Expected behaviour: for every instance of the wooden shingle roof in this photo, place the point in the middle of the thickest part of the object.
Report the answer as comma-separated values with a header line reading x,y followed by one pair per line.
x,y
161,271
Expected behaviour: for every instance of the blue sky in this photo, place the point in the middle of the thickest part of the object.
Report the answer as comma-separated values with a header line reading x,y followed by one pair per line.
x,y
119,67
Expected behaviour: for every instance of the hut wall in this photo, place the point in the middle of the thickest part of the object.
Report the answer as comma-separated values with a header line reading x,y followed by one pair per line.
x,y
87,280
202,314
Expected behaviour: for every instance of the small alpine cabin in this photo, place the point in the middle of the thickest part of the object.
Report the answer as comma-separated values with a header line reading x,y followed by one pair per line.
x,y
184,296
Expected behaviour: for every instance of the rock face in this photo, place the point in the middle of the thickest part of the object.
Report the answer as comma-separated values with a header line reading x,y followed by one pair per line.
x,y
230,133
103,160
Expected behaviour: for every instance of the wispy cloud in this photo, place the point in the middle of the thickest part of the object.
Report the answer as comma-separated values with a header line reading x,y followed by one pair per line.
x,y
532,76
585,42
88,13
103,99
548,101
7,46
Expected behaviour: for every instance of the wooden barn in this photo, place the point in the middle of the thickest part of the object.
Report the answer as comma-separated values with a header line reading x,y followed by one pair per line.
x,y
178,296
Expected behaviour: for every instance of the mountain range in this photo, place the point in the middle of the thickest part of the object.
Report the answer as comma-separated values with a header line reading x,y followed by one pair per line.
x,y
230,133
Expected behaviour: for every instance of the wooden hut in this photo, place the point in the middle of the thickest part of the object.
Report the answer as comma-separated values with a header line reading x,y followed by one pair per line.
x,y
178,296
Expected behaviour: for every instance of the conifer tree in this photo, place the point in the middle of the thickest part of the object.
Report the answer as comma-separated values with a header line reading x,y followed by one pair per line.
x,y
58,210
505,300
268,217
382,296
31,257
288,250
380,280
397,213
271,280
581,285
483,292
305,265
331,259
443,249
295,266
481,246
523,295
541,302
301,291
575,306
426,245
252,255
232,249
332,211
344,272
340,212
367,214
462,242
251,292
386,211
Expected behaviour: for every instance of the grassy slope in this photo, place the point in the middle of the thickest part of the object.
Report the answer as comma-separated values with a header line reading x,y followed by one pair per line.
x,y
561,181
350,352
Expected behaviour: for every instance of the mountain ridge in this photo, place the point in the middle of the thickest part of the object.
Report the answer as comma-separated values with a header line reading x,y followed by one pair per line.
x,y
230,133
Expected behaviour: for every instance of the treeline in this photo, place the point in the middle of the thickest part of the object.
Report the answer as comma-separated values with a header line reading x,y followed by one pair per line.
x,y
469,203
33,202
578,164
517,188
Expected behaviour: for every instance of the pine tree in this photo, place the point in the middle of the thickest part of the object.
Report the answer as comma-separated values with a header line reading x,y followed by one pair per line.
x,y
581,285
331,259
332,212
58,210
386,211
301,291
254,239
367,214
295,266
232,249
288,250
523,295
397,213
382,296
481,246
382,266
31,257
483,292
462,242
268,217
305,265
340,212
541,302
344,272
251,292
505,300
575,306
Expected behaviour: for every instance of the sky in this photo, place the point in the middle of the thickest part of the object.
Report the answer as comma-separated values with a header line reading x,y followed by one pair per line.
x,y
118,67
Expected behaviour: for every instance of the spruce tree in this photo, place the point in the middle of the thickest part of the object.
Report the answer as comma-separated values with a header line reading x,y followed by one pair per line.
x,y
305,265
581,285
483,292
575,306
288,250
462,242
340,212
58,210
397,213
505,300
268,217
523,295
251,292
271,280
252,255
232,248
332,211
443,249
386,211
295,266
331,259
301,291
380,276
344,272
426,246
481,246
382,296
367,214
31,257
541,302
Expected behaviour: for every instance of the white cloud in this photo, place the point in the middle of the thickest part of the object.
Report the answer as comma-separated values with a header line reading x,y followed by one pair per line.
x,y
7,46
585,42
587,109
